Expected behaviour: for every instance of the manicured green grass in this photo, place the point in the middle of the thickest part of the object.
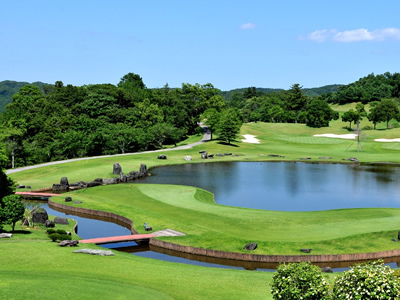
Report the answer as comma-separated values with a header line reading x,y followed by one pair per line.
x,y
339,231
208,225
42,270
40,265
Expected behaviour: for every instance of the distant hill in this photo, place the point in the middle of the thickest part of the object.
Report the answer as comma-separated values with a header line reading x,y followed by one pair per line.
x,y
326,89
8,88
311,92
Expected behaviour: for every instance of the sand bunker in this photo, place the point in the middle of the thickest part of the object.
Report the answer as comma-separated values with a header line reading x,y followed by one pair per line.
x,y
250,139
387,140
350,136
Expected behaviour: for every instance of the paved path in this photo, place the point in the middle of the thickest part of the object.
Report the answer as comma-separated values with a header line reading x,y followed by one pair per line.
x,y
206,138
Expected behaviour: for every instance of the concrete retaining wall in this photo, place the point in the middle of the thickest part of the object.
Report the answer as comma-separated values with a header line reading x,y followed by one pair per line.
x,y
276,258
102,214
230,255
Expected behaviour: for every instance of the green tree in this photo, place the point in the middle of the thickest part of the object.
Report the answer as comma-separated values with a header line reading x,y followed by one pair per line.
x,y
319,114
6,184
296,99
371,280
276,113
373,115
11,210
349,116
299,281
388,109
131,80
229,125
212,118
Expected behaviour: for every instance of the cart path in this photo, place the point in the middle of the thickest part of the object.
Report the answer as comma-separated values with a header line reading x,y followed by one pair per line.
x,y
206,138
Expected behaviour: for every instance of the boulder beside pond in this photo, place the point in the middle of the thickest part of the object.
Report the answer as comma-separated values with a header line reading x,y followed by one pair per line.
x,y
69,243
117,169
49,224
306,250
251,246
39,215
60,220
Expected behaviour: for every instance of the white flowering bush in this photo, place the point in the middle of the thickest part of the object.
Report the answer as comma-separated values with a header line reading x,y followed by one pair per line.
x,y
299,281
370,280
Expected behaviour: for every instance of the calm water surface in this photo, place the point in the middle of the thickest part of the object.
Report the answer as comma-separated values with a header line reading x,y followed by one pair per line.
x,y
272,186
289,186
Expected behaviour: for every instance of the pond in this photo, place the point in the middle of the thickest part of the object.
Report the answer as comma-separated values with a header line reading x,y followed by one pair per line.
x,y
289,186
264,185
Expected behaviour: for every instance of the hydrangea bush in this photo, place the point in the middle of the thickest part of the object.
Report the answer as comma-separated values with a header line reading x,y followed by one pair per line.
x,y
370,280
299,281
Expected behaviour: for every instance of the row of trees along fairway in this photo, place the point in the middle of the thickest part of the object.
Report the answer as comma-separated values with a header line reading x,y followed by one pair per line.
x,y
291,106
62,122
381,92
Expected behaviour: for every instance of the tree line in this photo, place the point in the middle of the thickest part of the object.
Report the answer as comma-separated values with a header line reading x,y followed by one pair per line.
x,y
57,122
288,106
61,122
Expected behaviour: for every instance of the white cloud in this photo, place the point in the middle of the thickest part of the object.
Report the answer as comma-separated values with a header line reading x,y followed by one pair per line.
x,y
354,35
248,26
357,35
321,35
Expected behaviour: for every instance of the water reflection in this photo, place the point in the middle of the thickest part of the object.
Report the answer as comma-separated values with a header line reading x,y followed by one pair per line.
x,y
289,186
274,186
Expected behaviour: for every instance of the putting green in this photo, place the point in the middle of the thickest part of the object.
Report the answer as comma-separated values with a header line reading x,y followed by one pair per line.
x,y
209,225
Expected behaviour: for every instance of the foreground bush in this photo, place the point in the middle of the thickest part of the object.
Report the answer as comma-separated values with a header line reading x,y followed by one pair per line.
x,y
370,280
299,281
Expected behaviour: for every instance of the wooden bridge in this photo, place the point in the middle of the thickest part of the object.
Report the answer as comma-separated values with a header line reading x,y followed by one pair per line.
x,y
33,194
138,238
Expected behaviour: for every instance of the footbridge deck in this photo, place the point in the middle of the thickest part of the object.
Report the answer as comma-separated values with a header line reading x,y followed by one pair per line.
x,y
117,239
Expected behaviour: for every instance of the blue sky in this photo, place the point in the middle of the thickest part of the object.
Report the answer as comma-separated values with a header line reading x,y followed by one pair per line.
x,y
231,44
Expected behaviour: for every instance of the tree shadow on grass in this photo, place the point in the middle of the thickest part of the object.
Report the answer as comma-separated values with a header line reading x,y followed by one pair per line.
x,y
226,144
348,128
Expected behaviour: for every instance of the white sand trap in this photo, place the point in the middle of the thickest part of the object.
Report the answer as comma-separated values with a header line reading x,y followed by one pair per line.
x,y
350,136
387,140
250,139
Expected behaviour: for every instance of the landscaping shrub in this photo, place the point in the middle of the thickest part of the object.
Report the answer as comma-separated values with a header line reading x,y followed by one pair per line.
x,y
51,230
367,127
370,280
299,281
62,237
53,236
59,236
61,231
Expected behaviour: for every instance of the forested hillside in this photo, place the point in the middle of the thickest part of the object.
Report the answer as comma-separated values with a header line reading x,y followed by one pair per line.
x,y
70,121
310,92
367,89
54,122
9,88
